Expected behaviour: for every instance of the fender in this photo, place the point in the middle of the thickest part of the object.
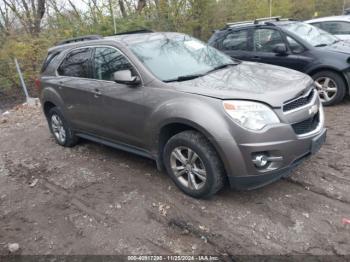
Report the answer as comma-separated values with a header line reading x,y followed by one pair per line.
x,y
195,113
49,94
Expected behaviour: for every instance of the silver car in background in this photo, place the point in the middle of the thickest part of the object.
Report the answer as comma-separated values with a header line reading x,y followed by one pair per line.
x,y
338,26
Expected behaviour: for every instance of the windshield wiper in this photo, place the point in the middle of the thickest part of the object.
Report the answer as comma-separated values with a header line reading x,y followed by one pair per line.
x,y
190,77
184,78
321,45
220,67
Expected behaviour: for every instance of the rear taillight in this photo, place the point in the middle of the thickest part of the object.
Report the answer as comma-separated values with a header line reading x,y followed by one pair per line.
x,y
37,83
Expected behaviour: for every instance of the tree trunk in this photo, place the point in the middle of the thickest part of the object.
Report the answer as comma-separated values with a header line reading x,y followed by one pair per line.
x,y
38,16
140,5
122,8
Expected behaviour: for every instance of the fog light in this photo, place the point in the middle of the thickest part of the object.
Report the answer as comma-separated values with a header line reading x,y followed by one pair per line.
x,y
260,160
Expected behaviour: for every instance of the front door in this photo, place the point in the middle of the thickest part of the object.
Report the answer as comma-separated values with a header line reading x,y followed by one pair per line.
x,y
117,109
265,40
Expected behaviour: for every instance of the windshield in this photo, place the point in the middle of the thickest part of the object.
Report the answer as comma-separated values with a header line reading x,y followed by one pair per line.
x,y
172,58
311,34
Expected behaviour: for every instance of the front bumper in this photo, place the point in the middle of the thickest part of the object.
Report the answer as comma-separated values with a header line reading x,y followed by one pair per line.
x,y
280,143
310,147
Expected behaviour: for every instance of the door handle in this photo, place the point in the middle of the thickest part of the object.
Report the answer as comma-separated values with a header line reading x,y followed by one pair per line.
x,y
256,57
97,93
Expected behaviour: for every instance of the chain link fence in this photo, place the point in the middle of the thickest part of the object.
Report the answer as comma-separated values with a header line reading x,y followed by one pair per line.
x,y
12,89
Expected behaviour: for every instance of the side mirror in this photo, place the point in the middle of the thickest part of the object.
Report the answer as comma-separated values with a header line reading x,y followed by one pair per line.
x,y
280,49
126,77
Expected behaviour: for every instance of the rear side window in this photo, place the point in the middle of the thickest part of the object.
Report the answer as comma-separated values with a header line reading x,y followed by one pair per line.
x,y
237,40
76,64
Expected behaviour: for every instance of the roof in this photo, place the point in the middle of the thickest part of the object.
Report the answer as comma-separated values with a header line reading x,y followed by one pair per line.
x,y
272,21
330,18
129,39
125,39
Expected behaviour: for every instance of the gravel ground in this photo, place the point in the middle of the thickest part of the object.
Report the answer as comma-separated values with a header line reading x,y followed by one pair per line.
x,y
96,200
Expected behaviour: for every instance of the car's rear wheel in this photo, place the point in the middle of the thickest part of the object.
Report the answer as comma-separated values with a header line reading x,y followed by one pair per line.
x,y
193,164
331,88
60,128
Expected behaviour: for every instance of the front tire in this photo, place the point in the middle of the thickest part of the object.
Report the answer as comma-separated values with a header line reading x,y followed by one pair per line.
x,y
60,128
332,87
193,164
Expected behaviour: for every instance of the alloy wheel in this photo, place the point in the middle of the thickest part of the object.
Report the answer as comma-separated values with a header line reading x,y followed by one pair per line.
x,y
327,88
188,168
58,128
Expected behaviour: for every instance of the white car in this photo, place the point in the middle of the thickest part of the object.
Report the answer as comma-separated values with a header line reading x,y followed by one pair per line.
x,y
335,25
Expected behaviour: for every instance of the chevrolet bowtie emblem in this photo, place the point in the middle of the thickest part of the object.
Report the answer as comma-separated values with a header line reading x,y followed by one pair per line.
x,y
313,110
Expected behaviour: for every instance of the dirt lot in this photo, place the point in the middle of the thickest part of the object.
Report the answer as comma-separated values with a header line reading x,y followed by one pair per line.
x,y
96,200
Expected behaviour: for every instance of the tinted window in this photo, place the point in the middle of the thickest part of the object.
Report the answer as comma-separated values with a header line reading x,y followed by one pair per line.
x,y
108,61
236,41
266,39
76,63
50,57
294,45
336,28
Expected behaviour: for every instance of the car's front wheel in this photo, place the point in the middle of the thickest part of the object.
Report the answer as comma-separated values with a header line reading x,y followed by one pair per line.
x,y
193,164
331,87
60,128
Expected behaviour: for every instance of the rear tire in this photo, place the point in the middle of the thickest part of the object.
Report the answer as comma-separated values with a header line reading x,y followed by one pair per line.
x,y
193,164
60,129
333,87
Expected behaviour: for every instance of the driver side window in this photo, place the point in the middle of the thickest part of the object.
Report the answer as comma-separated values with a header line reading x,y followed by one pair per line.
x,y
107,61
266,39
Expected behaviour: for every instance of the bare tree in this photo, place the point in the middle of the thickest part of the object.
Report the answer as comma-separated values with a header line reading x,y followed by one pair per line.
x,y
5,20
29,13
140,5
122,8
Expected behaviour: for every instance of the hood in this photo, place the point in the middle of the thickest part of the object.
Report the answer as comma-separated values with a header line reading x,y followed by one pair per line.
x,y
249,81
339,47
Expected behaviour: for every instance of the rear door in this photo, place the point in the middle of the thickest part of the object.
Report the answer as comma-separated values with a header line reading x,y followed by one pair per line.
x,y
236,44
75,88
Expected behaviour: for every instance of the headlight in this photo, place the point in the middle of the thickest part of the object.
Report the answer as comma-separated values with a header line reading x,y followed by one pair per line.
x,y
250,115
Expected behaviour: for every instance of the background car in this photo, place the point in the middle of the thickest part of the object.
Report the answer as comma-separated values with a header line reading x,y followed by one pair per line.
x,y
335,25
291,44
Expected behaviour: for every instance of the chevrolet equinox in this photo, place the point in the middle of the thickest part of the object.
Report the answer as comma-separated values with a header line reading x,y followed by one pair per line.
x,y
205,118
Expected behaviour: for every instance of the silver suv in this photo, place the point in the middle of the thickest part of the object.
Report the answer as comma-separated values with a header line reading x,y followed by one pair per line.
x,y
203,117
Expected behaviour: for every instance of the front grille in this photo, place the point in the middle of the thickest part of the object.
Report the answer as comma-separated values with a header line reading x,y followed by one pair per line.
x,y
307,125
299,102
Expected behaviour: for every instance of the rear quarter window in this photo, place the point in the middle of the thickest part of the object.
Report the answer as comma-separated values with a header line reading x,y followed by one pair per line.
x,y
48,60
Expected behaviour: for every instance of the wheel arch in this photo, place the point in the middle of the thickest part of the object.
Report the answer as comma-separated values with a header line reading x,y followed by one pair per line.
x,y
334,70
171,128
47,106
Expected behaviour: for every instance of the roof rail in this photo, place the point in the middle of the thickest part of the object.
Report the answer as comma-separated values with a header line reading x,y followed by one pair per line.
x,y
135,32
239,23
276,18
79,39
